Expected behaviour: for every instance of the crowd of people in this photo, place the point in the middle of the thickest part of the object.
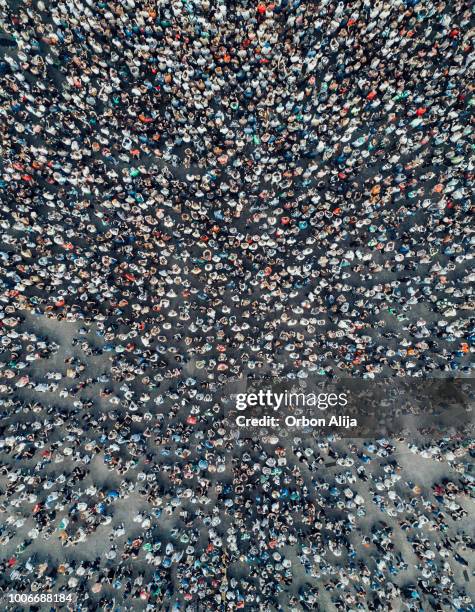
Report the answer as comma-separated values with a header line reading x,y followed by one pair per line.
x,y
197,191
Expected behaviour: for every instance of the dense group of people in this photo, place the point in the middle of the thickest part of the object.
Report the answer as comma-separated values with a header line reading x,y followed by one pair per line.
x,y
196,192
